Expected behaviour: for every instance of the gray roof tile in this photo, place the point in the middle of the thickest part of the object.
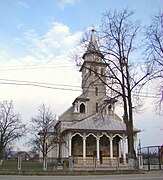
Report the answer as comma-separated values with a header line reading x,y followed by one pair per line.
x,y
100,122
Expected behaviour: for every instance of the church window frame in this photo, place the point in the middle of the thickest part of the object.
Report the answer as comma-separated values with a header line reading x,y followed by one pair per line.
x,y
82,108
95,71
102,71
90,72
97,108
110,108
96,91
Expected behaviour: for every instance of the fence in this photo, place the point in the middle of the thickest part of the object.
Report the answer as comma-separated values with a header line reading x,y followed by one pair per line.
x,y
76,163
152,157
52,164
28,165
13,165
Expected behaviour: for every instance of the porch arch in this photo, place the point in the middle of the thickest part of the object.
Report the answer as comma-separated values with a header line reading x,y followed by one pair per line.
x,y
91,134
77,134
77,145
117,135
104,149
105,134
91,146
116,145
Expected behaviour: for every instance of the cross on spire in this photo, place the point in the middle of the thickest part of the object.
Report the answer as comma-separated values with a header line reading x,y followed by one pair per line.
x,y
93,46
93,29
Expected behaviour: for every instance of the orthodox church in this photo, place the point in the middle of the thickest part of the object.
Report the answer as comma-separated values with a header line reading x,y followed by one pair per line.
x,y
90,129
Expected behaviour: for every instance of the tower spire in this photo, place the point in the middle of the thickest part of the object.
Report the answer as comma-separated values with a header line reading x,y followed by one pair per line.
x,y
93,45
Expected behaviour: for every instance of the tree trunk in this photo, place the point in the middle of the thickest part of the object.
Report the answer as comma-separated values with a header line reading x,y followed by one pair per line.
x,y
44,163
131,130
128,120
1,155
59,153
1,152
131,150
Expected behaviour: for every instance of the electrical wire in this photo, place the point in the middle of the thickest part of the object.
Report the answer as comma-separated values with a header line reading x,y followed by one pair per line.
x,y
45,85
38,85
31,68
35,82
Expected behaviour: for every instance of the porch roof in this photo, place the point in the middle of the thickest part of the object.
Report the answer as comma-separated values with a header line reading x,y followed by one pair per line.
x,y
99,122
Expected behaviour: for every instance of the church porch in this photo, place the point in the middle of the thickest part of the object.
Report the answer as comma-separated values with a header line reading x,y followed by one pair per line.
x,y
98,149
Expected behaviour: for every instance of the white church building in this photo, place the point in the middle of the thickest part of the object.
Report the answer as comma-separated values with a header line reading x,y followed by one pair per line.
x,y
91,131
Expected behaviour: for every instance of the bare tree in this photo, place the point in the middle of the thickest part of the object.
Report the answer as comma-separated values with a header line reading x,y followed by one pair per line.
x,y
44,136
11,127
154,53
118,43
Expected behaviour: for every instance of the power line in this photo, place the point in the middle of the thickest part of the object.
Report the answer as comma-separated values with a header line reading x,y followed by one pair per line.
x,y
143,94
44,85
39,85
27,65
30,68
35,82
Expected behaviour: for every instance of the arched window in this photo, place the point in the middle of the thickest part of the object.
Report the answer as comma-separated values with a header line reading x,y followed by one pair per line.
x,y
109,108
96,107
90,72
102,71
96,91
95,71
82,108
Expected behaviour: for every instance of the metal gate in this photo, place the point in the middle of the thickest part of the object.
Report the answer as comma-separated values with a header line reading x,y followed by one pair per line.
x,y
152,157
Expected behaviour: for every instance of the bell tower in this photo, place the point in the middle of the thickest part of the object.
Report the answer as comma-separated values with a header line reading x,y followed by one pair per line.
x,y
93,75
94,98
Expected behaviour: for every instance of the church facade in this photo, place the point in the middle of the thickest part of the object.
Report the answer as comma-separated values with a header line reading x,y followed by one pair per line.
x,y
90,129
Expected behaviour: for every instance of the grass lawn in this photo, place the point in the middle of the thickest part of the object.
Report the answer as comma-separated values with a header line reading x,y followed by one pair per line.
x,y
25,165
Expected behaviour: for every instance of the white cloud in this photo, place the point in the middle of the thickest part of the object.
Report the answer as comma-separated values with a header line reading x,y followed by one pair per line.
x,y
4,56
50,49
58,40
63,3
20,25
23,4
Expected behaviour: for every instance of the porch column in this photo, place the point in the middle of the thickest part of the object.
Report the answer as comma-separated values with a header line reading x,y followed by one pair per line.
x,y
84,150
98,149
69,144
111,149
135,144
67,148
124,149
119,148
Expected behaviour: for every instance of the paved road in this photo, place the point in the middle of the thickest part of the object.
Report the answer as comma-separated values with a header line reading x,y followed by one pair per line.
x,y
158,176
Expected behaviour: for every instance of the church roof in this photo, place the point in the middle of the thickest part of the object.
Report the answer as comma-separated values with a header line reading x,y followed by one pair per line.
x,y
81,97
110,99
93,46
99,122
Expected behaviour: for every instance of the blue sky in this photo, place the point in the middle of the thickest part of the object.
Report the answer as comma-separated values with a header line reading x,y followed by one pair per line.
x,y
19,16
36,37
